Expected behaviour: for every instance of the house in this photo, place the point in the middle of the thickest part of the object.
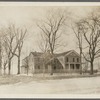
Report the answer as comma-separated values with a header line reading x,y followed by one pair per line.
x,y
38,62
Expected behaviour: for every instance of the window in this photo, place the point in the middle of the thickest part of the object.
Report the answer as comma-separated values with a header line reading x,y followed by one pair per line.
x,y
67,59
38,67
77,66
77,59
71,66
54,67
73,59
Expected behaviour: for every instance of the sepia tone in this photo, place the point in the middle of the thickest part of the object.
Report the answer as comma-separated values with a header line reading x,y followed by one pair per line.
x,y
50,50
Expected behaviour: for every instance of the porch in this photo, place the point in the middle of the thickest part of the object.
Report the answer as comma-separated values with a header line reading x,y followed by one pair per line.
x,y
72,66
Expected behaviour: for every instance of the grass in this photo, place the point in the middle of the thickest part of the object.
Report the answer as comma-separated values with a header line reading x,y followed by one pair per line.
x,y
8,80
12,79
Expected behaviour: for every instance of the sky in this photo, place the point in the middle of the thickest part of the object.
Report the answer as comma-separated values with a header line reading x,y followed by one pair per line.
x,y
28,16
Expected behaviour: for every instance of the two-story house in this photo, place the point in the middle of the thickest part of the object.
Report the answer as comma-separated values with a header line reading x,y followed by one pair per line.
x,y
63,62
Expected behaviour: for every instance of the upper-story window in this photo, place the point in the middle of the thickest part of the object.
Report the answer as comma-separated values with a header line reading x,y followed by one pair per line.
x,y
67,59
73,59
77,59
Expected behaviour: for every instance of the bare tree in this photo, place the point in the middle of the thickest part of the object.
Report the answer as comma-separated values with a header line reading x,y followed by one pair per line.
x,y
91,31
10,44
20,34
52,30
78,33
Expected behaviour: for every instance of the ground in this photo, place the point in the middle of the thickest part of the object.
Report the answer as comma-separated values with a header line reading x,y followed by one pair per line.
x,y
31,85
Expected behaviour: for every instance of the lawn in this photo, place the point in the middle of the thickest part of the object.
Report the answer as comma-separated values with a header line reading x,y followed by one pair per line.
x,y
12,79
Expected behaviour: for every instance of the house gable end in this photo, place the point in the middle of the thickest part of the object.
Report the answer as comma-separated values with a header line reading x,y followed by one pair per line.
x,y
73,53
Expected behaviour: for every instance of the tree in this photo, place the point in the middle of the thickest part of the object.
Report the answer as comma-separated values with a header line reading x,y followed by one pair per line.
x,y
78,33
10,44
90,27
20,34
52,28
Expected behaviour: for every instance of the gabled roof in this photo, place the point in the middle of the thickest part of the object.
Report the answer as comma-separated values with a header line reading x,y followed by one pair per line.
x,y
66,53
33,53
73,52
62,54
37,53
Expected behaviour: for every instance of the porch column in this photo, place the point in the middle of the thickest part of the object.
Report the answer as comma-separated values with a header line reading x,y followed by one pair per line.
x,y
74,66
69,66
64,62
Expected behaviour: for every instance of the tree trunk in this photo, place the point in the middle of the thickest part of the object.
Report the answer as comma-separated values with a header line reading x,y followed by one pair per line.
x,y
18,65
51,71
27,69
9,67
19,61
0,60
0,70
91,72
80,62
43,68
4,71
